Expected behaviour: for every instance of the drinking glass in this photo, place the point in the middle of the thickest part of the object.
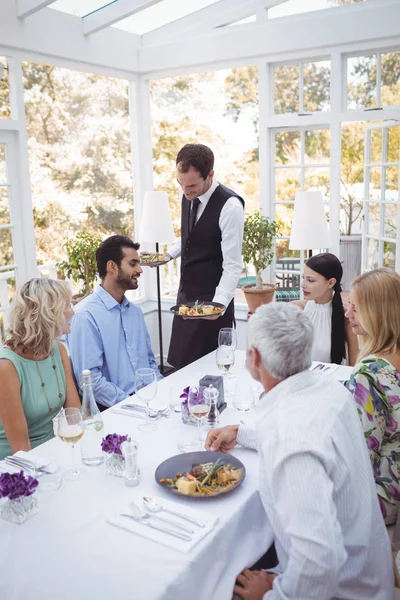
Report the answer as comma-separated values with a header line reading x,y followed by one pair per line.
x,y
199,407
146,390
227,337
175,401
70,429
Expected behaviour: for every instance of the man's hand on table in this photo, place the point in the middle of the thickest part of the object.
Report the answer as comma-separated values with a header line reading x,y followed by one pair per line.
x,y
252,585
223,439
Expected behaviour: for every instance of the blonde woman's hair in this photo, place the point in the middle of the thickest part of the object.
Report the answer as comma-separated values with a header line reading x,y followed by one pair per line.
x,y
36,315
376,295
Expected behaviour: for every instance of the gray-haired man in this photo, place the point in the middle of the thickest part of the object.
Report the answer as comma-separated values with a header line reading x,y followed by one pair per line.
x,y
316,480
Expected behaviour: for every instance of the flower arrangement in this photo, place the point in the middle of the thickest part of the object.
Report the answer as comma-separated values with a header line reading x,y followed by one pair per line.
x,y
15,485
111,444
16,491
185,412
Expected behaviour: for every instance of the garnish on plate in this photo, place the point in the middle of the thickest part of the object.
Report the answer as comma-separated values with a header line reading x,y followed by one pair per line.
x,y
205,479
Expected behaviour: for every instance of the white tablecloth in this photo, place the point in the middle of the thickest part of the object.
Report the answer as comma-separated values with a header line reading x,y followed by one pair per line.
x,y
68,550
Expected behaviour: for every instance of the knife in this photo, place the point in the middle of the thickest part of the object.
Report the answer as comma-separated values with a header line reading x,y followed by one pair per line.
x,y
181,536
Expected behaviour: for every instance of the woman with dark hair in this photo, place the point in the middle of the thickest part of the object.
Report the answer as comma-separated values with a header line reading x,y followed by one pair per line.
x,y
323,305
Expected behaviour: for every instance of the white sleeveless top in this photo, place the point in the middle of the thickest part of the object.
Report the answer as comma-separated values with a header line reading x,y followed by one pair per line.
x,y
320,316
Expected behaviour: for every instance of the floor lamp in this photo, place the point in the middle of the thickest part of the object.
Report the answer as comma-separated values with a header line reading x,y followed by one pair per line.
x,y
309,226
156,227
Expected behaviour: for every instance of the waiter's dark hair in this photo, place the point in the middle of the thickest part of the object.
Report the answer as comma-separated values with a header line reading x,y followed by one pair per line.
x,y
112,249
198,156
329,266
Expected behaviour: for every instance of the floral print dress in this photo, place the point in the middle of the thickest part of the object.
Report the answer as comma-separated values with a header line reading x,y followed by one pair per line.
x,y
375,385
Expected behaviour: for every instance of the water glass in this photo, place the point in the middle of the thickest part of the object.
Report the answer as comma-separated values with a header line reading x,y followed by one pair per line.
x,y
146,390
129,450
227,337
199,407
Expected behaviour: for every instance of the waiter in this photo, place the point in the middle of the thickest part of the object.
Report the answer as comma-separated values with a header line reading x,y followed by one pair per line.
x,y
211,253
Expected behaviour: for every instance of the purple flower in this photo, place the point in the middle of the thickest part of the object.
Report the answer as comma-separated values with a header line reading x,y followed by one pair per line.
x,y
185,396
15,485
112,443
392,399
394,492
392,424
372,443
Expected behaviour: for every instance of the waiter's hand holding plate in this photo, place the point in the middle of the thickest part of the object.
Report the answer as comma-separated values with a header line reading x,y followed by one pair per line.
x,y
155,259
206,310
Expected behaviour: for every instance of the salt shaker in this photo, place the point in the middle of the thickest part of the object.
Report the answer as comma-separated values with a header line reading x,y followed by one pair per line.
x,y
129,451
211,393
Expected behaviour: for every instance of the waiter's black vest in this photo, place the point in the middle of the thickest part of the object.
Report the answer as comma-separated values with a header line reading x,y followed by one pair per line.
x,y
201,255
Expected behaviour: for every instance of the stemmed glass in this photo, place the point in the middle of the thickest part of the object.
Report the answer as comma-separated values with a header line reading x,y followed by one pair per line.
x,y
146,390
70,429
199,407
227,337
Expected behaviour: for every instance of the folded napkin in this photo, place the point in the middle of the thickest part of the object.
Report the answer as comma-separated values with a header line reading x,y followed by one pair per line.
x,y
160,537
38,460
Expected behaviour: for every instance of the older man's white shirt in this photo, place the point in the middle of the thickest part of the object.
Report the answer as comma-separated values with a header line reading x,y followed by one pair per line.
x,y
318,490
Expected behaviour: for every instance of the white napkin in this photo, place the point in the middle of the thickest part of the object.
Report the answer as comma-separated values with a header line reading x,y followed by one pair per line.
x,y
39,461
165,539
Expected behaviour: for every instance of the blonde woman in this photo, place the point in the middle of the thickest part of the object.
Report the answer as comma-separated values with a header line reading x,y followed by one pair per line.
x,y
374,315
35,373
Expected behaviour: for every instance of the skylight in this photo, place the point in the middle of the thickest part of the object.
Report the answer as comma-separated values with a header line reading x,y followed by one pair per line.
x,y
295,7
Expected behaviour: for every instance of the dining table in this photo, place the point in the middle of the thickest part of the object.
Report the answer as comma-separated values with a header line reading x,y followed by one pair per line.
x,y
71,548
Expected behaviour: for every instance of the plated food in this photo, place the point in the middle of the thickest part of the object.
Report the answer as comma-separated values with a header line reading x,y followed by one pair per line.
x,y
152,259
196,310
203,477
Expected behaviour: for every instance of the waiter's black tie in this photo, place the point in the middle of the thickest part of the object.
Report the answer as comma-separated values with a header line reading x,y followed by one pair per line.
x,y
193,212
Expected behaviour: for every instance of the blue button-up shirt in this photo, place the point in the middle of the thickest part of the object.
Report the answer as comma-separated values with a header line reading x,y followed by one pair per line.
x,y
111,340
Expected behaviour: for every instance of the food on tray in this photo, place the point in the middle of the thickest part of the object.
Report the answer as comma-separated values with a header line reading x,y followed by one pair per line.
x,y
150,258
205,479
199,310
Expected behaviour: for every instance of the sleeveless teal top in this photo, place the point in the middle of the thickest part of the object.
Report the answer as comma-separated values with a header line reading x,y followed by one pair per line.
x,y
33,397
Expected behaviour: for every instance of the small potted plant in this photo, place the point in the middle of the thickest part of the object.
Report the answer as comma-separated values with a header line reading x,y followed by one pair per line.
x,y
17,502
80,265
113,458
258,249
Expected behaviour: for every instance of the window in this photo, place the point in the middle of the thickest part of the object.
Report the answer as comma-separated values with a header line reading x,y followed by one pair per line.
x,y
5,111
373,81
302,87
294,7
302,158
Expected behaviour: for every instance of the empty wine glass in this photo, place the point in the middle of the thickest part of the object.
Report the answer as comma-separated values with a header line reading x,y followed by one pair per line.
x,y
227,337
70,429
146,390
199,407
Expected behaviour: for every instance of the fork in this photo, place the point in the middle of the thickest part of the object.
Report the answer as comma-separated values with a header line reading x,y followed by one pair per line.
x,y
24,463
137,511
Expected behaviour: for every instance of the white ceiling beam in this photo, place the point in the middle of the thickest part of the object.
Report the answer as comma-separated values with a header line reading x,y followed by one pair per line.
x,y
204,20
28,7
112,13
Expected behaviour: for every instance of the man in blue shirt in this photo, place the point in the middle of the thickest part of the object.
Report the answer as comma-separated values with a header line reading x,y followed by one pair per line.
x,y
108,333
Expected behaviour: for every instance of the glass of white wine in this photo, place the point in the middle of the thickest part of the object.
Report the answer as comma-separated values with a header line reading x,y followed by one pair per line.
x,y
199,407
70,429
146,390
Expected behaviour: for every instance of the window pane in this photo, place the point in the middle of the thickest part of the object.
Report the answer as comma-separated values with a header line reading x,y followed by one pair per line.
x,y
284,214
287,148
4,206
5,109
361,81
352,178
374,215
282,250
375,178
317,179
6,249
3,168
389,255
294,7
287,183
376,145
317,146
316,85
393,153
372,254
392,184
287,89
390,220
390,79
7,293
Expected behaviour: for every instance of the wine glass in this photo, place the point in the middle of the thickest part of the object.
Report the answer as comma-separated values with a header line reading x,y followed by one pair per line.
x,y
199,407
146,390
70,429
227,337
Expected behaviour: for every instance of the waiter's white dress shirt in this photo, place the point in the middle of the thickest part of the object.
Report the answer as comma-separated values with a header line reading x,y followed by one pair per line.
x,y
231,222
317,487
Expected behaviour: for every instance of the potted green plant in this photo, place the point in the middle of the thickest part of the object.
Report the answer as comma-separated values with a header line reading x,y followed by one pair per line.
x,y
80,265
258,250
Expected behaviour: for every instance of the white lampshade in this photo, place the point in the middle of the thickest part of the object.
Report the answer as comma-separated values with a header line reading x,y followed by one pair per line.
x,y
156,222
309,228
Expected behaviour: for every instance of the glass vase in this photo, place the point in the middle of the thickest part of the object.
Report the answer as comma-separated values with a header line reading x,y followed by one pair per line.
x,y
18,510
114,464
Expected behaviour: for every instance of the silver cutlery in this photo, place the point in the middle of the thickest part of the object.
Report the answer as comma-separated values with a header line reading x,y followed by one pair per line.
x,y
163,412
139,413
181,536
155,508
24,463
167,526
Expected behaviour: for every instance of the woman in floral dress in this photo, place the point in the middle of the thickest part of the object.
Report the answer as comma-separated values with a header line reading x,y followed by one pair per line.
x,y
374,314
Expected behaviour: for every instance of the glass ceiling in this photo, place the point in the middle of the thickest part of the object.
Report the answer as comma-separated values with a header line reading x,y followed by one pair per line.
x,y
295,7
